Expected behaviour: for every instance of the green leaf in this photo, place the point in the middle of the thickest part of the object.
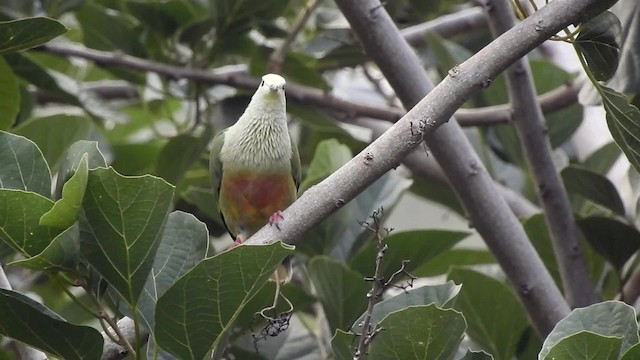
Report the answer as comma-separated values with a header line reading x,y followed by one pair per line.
x,y
419,332
179,154
23,166
162,17
342,291
623,120
54,134
437,192
121,227
614,240
418,247
598,43
476,355
344,344
20,213
537,231
9,96
441,263
184,243
65,211
443,296
496,318
25,320
601,160
198,311
72,159
592,186
329,156
609,318
586,345
62,254
23,34
632,354
55,8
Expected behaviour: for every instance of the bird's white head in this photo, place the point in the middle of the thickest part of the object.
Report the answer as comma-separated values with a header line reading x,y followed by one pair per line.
x,y
271,90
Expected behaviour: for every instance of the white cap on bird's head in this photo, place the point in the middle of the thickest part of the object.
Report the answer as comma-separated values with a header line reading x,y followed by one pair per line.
x,y
273,82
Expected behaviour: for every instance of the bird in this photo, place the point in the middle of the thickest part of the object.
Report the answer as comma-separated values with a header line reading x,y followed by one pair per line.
x,y
255,167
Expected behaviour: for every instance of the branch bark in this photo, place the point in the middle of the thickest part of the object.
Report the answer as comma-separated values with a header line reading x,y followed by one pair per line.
x,y
490,214
463,21
114,351
532,132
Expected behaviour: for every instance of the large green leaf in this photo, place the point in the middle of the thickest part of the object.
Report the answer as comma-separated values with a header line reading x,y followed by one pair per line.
x,y
443,296
623,120
632,354
537,230
184,243
342,291
32,323
121,227
495,317
418,247
23,166
179,154
73,158
200,309
9,96
22,34
601,160
54,134
61,254
65,211
20,213
329,156
611,238
441,263
609,318
598,43
420,333
586,345
592,186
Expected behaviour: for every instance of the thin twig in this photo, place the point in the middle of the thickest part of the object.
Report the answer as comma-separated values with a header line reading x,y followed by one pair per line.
x,y
276,60
532,132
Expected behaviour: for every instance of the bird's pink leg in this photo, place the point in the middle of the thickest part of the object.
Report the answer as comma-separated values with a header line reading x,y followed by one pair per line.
x,y
275,219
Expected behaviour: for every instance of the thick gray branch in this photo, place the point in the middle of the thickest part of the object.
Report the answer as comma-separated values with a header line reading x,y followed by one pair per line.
x,y
463,21
489,212
532,132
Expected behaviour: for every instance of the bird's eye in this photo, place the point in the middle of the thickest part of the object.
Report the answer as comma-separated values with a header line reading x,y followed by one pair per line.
x,y
282,87
262,83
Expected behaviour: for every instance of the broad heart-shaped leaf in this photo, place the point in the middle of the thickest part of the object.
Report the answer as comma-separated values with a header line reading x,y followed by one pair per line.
x,y
632,354
54,134
342,291
476,355
456,257
586,345
184,243
443,296
65,211
592,186
9,96
22,34
623,120
73,157
496,318
20,213
121,225
614,240
23,166
25,320
199,310
416,246
61,254
609,318
329,156
598,43
418,332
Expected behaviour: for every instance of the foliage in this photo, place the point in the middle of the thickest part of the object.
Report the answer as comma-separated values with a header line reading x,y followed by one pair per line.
x,y
106,208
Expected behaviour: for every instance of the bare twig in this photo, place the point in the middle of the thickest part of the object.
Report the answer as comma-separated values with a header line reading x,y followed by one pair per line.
x,y
237,77
446,26
532,132
490,214
276,60
25,352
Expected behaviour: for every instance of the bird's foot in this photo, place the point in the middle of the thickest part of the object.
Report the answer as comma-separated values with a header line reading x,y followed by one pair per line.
x,y
275,219
237,241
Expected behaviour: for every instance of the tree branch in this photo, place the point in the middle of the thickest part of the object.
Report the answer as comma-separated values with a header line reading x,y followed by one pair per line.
x,y
532,132
236,76
115,351
490,214
463,21
25,352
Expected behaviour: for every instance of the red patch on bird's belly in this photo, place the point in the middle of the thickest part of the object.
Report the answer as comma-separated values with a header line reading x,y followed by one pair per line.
x,y
247,200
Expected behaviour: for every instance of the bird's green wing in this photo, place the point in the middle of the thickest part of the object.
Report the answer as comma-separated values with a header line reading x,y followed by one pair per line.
x,y
215,164
295,163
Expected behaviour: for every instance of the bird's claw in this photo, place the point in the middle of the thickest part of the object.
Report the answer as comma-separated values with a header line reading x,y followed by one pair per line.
x,y
275,219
